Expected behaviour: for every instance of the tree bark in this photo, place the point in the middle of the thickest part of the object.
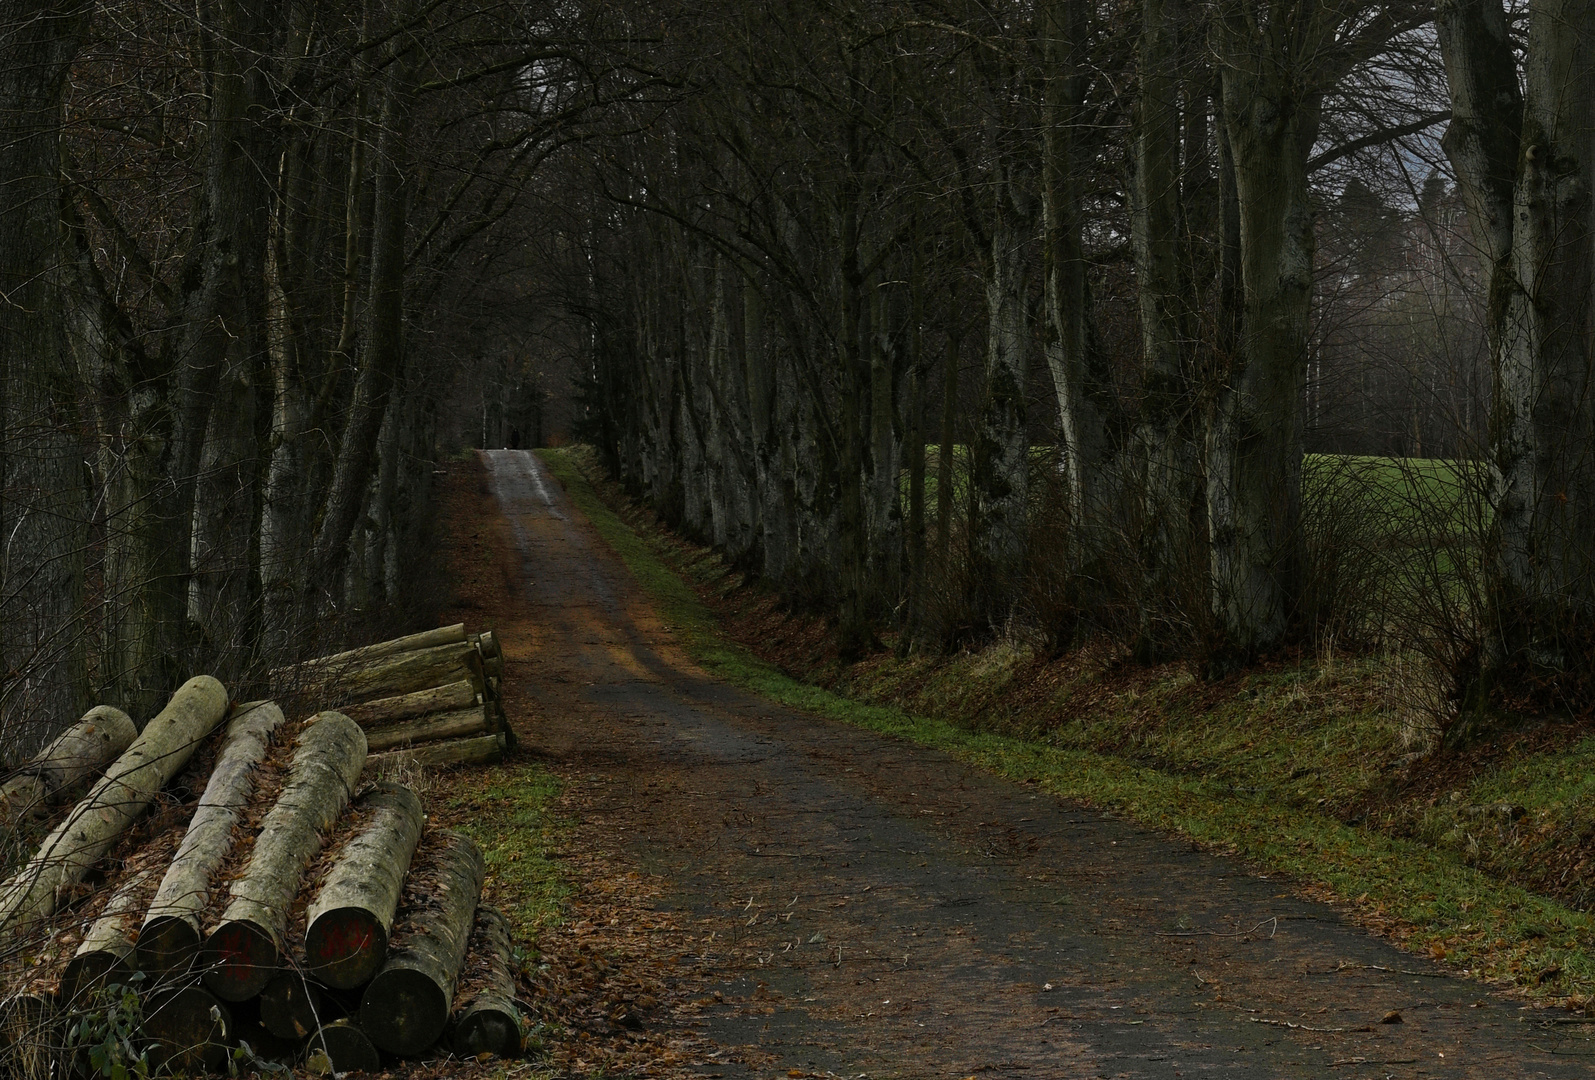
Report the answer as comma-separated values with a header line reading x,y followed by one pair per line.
x,y
450,697
242,953
486,1019
450,725
349,920
60,770
170,937
405,1008
114,803
481,750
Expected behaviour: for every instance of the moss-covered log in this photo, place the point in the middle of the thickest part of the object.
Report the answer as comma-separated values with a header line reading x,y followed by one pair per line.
x,y
434,699
341,1047
170,936
242,953
114,803
191,1030
348,922
405,1008
478,751
64,768
486,1019
459,724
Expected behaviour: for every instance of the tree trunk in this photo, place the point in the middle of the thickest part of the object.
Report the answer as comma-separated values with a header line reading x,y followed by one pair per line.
x,y
170,937
405,1008
43,501
482,750
1000,467
447,698
449,725
1254,445
348,922
114,803
1081,377
1166,453
382,355
242,953
60,771
1525,166
486,1019
946,450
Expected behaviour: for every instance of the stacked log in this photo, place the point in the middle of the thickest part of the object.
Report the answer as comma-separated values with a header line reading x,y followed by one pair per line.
x,y
244,951
486,1019
232,942
115,802
65,766
406,1007
431,700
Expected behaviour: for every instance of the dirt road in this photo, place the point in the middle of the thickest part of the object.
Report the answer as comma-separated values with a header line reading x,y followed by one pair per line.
x,y
823,900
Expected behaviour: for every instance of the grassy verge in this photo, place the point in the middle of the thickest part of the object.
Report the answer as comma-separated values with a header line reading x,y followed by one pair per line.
x,y
1264,769
508,814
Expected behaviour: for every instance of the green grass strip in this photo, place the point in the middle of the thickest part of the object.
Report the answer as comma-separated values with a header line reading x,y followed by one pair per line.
x,y
1486,927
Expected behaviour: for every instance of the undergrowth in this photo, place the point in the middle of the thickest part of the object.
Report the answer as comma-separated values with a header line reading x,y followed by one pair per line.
x,y
1302,767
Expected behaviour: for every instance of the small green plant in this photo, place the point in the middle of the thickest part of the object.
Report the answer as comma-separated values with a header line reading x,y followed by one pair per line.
x,y
103,1035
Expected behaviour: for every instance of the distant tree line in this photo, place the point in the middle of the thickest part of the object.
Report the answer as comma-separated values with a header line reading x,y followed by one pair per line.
x,y
953,317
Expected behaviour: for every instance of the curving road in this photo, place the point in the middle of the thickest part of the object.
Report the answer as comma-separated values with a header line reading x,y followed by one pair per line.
x,y
864,906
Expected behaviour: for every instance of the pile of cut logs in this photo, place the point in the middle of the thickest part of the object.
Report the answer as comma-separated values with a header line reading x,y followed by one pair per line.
x,y
265,888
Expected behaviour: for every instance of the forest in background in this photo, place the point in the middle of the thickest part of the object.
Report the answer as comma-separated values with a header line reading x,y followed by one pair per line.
x,y
1212,328
244,249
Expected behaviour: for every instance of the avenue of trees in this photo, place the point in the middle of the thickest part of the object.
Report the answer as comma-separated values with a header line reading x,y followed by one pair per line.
x,y
1224,327
1216,328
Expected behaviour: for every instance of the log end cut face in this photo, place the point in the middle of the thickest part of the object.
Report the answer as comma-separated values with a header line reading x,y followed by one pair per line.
x,y
342,1047
403,1011
290,1007
345,947
167,945
239,959
191,1030
488,1032
87,973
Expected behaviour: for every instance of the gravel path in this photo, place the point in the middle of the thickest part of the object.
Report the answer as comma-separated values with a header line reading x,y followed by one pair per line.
x,y
841,903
